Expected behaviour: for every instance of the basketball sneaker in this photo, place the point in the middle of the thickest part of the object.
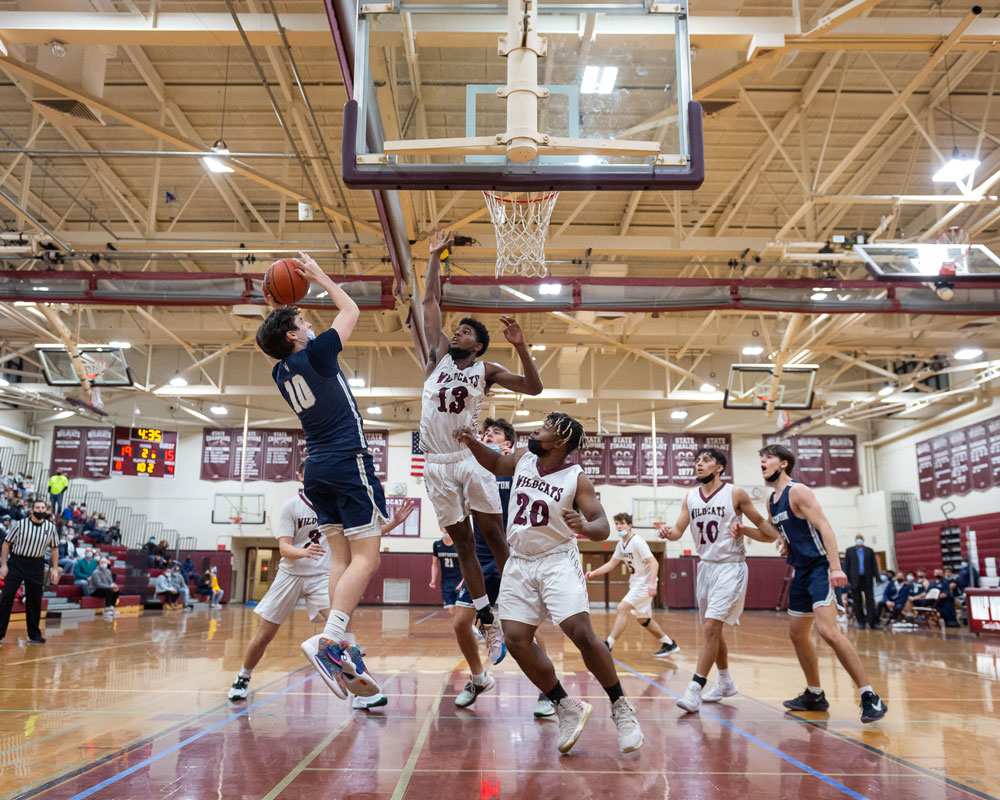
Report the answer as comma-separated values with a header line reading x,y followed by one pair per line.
x,y
667,650
544,707
240,688
719,690
493,636
607,644
573,715
691,701
808,701
872,707
340,666
368,703
472,690
629,732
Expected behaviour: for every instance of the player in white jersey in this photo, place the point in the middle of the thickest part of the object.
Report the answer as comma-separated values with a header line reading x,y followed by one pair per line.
x,y
714,510
303,573
633,551
455,385
551,503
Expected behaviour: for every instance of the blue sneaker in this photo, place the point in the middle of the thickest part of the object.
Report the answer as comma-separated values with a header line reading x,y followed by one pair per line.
x,y
340,666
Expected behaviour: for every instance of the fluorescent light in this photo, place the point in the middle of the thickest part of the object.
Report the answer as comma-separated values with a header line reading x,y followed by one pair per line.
x,y
178,380
214,164
373,410
122,345
886,390
589,161
356,382
752,350
968,353
818,296
707,387
519,295
25,303
550,288
63,415
598,80
521,412
837,422
957,168
679,414
39,288
219,411
538,348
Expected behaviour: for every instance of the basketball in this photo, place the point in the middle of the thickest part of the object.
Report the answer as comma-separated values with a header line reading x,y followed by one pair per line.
x,y
284,283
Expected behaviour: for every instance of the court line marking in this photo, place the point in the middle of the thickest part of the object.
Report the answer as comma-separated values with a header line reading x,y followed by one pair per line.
x,y
418,745
750,737
484,771
425,618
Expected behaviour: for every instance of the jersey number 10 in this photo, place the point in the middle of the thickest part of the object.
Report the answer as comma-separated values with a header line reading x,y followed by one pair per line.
x,y
299,394
709,531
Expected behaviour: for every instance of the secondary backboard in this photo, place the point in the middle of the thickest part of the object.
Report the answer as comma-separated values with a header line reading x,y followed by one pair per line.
x,y
750,386
238,509
608,90
103,365
923,261
649,510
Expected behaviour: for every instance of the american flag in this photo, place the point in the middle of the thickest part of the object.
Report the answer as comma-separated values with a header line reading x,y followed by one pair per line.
x,y
416,456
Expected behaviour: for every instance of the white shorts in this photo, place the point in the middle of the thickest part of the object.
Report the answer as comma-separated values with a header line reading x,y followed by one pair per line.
x,y
284,593
721,589
458,487
642,604
550,587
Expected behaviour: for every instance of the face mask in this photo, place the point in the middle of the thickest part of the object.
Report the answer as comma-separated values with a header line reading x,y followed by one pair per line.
x,y
964,564
494,447
622,533
40,514
535,448
859,542
773,476
909,578
707,480
458,354
884,578
310,334
104,565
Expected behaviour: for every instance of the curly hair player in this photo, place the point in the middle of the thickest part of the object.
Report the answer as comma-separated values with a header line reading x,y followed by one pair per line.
x,y
552,502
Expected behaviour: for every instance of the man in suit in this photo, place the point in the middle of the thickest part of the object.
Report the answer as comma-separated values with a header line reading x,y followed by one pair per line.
x,y
862,570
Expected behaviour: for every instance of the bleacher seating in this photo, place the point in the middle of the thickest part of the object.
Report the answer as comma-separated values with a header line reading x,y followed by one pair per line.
x,y
921,547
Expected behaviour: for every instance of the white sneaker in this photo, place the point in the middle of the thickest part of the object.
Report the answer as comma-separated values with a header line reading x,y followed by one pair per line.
x,y
239,690
629,732
493,635
718,691
368,703
477,634
691,701
573,715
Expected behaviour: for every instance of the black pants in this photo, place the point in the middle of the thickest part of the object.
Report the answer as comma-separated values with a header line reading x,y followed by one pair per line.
x,y
57,502
31,572
864,612
110,595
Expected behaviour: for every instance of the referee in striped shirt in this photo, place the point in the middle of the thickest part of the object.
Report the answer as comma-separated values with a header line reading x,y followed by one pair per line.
x,y
22,560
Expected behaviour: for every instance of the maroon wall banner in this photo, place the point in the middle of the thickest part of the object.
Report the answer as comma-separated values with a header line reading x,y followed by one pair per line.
x,y
81,452
822,460
273,455
623,459
682,460
593,457
960,461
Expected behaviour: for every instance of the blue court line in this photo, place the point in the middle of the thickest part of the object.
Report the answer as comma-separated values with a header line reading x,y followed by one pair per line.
x,y
173,748
425,618
749,736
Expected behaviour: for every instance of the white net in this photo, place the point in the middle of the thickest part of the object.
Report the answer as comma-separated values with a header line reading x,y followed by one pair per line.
x,y
521,222
955,243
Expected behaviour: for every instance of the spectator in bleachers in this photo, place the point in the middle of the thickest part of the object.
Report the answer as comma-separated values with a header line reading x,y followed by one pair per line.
x,y
163,552
67,553
178,582
938,596
188,570
968,576
57,490
905,593
216,598
889,597
9,480
82,571
102,584
69,512
205,585
115,533
5,523
29,487
165,587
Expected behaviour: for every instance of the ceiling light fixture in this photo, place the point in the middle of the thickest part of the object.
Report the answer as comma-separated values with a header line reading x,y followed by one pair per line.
x,y
957,168
374,410
886,390
837,422
707,387
357,382
538,348
679,414
549,288
213,163
968,353
521,412
219,411
178,380
120,345
752,350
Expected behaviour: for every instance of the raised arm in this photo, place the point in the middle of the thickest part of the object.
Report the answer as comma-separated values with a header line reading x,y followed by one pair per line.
x,y
437,339
404,510
587,517
675,531
490,459
348,312
763,531
805,505
530,382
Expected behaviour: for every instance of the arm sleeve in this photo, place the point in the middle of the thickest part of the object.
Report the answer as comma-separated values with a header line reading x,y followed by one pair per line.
x,y
322,352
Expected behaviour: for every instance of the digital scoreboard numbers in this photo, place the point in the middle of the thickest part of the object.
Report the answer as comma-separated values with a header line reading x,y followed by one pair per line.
x,y
147,452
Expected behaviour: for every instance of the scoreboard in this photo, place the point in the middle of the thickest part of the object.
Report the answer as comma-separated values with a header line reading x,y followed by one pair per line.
x,y
148,452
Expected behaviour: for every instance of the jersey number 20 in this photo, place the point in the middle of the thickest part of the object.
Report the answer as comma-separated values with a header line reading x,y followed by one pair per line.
x,y
538,514
299,394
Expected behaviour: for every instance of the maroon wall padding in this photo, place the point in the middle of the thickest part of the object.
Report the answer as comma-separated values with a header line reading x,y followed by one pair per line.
x,y
766,579
921,547
677,582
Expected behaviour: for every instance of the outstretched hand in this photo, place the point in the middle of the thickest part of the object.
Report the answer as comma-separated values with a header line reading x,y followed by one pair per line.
x,y
465,435
310,270
512,331
662,530
404,509
440,241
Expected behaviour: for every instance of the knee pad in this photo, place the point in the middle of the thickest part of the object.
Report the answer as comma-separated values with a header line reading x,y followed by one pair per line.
x,y
645,622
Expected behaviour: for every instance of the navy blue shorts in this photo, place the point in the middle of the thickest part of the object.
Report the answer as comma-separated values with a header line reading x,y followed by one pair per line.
x,y
343,489
450,590
492,577
810,589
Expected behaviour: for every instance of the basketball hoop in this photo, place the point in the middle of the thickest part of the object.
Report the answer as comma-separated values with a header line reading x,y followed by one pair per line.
x,y
236,520
957,244
521,224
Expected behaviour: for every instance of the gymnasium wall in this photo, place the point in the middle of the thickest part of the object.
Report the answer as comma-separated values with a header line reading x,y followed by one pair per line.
x,y
185,503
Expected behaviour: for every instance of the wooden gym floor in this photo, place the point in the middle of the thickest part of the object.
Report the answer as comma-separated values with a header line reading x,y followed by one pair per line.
x,y
138,709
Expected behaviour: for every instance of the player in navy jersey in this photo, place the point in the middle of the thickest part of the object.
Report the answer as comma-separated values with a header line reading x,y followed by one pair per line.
x,y
445,569
340,480
808,541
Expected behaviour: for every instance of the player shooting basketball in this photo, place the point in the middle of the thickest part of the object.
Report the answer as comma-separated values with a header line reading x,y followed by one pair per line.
x,y
456,383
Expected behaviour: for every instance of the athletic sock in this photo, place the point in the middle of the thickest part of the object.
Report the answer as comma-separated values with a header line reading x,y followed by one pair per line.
x,y
611,641
480,680
349,638
864,689
614,692
336,626
815,689
666,639
244,672
556,693
724,676
701,680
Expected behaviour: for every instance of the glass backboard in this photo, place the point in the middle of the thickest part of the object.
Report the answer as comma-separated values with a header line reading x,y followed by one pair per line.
x,y
103,365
